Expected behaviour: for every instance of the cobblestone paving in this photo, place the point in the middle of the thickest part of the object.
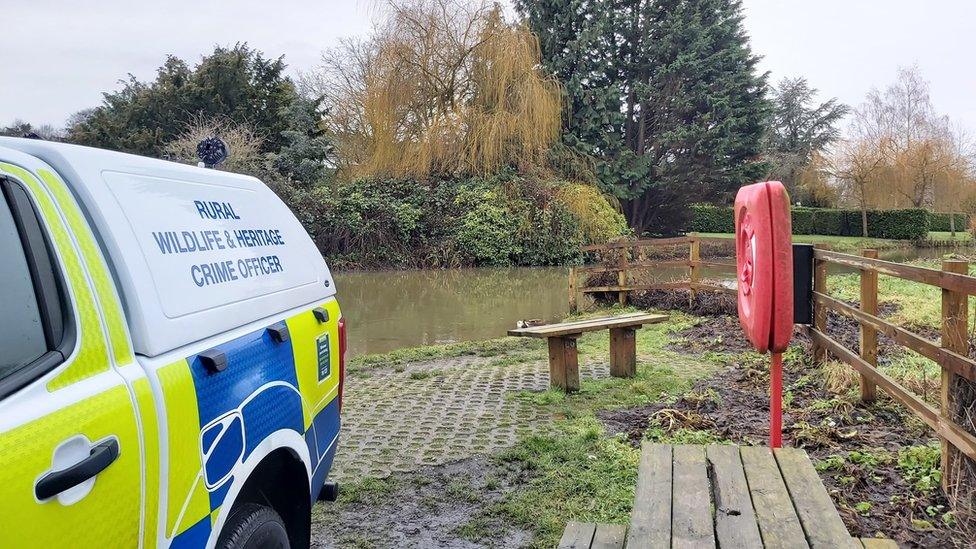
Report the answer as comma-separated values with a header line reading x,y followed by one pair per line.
x,y
395,421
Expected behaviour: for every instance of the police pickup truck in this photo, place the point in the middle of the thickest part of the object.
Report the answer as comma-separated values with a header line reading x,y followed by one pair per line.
x,y
171,355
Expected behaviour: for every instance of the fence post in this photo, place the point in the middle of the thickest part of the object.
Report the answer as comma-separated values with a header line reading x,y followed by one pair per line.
x,y
955,337
622,276
694,256
869,336
573,304
819,310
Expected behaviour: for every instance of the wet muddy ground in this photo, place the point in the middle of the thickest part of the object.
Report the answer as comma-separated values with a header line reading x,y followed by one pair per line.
x,y
435,507
856,444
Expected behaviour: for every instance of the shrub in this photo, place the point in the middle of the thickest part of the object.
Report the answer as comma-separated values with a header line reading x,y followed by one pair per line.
x,y
910,224
907,224
939,221
405,223
706,218
599,221
486,232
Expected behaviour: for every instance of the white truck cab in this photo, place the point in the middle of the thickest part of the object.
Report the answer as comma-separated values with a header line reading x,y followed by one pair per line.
x,y
171,355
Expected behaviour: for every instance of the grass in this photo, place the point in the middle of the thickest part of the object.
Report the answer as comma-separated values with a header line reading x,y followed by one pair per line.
x,y
578,471
919,305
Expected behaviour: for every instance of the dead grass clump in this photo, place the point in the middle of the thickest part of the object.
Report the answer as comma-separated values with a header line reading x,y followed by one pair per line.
x,y
838,377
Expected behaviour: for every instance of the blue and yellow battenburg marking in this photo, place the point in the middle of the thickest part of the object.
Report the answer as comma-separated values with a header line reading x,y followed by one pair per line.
x,y
267,386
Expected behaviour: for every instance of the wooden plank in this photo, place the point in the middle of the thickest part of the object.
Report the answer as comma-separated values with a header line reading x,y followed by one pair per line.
x,y
869,336
964,441
735,519
718,264
954,362
623,352
573,277
819,311
650,521
577,535
694,258
818,517
609,536
636,244
955,337
691,513
622,277
777,520
637,287
581,322
878,543
946,280
593,325
716,288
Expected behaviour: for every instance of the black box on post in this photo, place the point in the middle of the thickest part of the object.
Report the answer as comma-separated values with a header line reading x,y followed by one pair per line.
x,y
803,284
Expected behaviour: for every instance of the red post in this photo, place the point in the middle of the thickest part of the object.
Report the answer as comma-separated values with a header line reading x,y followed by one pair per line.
x,y
776,401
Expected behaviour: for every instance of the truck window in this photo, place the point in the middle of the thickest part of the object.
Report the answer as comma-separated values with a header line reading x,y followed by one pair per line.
x,y
36,332
22,339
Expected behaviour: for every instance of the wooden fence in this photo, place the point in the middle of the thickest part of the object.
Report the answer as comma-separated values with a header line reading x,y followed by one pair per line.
x,y
628,258
951,353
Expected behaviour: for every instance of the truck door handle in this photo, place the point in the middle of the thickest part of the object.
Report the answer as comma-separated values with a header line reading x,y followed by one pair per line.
x,y
102,455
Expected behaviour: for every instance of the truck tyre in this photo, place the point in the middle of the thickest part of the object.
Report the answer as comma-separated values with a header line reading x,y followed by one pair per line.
x,y
253,526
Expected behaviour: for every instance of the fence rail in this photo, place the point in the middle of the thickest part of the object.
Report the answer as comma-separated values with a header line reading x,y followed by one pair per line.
x,y
951,353
631,261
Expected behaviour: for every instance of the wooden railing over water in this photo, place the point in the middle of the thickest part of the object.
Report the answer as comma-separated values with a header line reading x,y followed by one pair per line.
x,y
628,259
951,353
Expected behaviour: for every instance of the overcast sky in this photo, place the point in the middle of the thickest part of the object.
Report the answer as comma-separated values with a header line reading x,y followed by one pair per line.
x,y
57,57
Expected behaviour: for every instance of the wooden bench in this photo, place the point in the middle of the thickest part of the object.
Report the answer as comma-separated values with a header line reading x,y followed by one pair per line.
x,y
563,356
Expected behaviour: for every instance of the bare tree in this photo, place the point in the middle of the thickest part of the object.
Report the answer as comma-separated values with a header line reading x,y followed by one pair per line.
x,y
855,164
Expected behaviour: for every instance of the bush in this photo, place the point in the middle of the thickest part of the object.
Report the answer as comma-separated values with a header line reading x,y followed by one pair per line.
x,y
907,224
712,219
895,224
404,223
940,222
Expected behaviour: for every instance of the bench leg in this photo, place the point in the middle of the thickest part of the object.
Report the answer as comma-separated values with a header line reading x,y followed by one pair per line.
x,y
623,352
564,363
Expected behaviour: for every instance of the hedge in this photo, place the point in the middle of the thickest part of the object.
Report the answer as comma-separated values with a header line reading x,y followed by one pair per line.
x,y
907,224
940,222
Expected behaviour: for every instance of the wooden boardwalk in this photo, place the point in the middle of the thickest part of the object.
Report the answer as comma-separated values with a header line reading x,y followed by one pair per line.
x,y
725,496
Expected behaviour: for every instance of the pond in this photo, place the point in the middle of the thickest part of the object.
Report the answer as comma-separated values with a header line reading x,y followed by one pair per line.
x,y
389,310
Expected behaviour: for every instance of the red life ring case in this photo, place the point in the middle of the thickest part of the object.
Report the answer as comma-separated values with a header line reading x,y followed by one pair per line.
x,y
764,265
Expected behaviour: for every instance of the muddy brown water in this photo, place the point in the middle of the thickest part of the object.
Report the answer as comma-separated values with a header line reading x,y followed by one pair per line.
x,y
389,310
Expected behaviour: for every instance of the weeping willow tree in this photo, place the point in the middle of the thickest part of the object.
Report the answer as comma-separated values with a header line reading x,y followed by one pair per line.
x,y
442,87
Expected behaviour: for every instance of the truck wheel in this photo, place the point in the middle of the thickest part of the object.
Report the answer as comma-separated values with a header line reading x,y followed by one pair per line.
x,y
253,526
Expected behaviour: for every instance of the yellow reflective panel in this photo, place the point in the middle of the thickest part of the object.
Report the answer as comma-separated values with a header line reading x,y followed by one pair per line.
x,y
307,335
97,268
150,437
187,494
109,515
92,358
